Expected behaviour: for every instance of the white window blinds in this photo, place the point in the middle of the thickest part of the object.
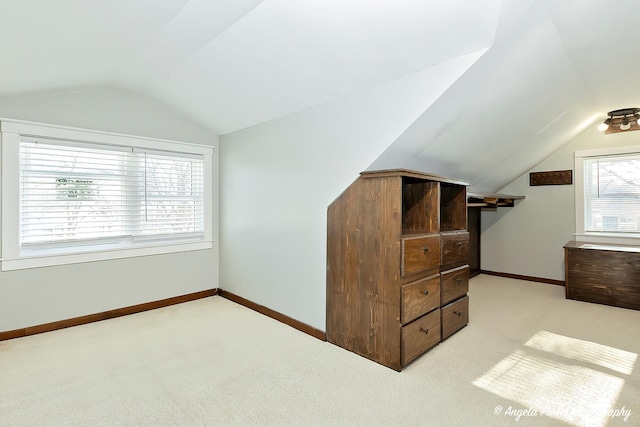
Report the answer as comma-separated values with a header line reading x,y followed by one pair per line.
x,y
612,194
74,193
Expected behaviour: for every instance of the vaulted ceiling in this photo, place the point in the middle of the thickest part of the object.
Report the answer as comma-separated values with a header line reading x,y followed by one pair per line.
x,y
554,69
551,68
233,63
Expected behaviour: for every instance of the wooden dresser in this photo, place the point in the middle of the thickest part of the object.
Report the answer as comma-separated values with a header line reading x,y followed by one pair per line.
x,y
603,273
397,273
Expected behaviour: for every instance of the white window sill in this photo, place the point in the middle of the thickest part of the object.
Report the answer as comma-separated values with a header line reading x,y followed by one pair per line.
x,y
47,260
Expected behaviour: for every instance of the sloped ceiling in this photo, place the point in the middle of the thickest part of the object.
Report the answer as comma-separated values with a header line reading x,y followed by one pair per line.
x,y
230,64
551,69
554,69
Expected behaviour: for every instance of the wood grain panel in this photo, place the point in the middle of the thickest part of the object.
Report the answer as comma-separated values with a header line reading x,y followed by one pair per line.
x,y
455,247
453,207
614,126
411,174
420,253
420,297
455,283
603,276
420,207
454,317
420,336
363,268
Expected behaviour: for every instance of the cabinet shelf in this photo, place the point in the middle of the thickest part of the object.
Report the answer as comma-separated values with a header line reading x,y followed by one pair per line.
x,y
453,207
393,236
420,209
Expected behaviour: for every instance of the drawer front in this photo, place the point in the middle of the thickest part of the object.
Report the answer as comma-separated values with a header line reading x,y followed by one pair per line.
x,y
455,247
607,293
600,294
604,277
419,298
420,253
455,283
455,316
420,336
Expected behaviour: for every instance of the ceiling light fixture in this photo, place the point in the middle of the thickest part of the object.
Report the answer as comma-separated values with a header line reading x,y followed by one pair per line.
x,y
621,120
604,126
625,125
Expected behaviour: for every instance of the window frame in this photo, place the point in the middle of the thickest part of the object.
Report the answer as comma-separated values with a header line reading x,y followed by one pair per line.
x,y
598,236
11,257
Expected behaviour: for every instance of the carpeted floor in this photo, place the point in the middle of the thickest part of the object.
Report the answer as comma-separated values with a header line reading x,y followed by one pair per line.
x,y
528,357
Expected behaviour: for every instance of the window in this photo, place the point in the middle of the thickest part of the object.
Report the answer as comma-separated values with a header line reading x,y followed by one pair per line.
x,y
608,193
100,196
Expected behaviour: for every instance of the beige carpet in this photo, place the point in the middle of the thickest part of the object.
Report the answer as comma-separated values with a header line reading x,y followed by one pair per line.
x,y
528,357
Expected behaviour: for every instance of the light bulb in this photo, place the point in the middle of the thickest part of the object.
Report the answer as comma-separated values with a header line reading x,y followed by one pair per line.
x,y
604,126
637,118
625,125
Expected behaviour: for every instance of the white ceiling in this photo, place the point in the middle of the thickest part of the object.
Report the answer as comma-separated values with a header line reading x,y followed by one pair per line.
x,y
554,68
230,64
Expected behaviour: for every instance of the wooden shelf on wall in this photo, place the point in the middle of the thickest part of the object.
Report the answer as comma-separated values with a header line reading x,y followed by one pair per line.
x,y
491,201
476,203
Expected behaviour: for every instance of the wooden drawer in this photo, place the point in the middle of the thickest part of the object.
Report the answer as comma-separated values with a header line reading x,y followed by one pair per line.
x,y
420,253
603,276
600,293
419,336
605,293
455,247
420,297
454,284
455,316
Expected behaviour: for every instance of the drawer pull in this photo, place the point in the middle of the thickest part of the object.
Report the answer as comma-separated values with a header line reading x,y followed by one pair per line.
x,y
459,244
425,249
458,280
425,292
424,330
457,313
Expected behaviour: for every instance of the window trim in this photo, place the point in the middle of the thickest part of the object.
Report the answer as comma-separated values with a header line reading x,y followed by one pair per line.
x,y
598,236
10,256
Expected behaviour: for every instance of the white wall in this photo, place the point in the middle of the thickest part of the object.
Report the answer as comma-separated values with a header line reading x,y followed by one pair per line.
x,y
42,295
107,109
278,178
528,238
